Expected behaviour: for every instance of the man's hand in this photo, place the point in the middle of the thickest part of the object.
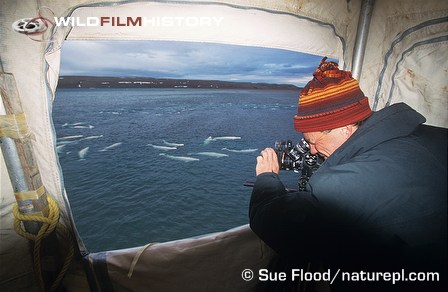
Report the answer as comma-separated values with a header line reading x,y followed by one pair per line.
x,y
267,162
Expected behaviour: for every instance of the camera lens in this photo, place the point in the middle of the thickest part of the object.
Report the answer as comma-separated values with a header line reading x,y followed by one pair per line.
x,y
303,146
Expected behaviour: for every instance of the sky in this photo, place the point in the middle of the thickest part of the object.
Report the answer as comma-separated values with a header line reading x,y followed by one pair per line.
x,y
186,60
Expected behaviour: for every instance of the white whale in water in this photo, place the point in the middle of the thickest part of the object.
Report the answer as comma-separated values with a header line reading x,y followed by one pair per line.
x,y
162,147
83,127
180,158
71,137
240,151
91,137
210,138
112,146
173,144
79,125
82,153
75,124
212,154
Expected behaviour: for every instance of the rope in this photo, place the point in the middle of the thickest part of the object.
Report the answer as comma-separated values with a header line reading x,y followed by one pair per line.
x,y
48,225
137,257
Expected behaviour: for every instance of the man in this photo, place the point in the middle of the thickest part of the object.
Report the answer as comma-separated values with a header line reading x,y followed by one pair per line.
x,y
377,203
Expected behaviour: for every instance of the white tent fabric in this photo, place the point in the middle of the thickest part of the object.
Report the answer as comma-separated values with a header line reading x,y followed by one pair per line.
x,y
408,76
210,23
404,47
405,60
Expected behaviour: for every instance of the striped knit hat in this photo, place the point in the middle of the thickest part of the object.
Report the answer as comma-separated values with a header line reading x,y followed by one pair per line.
x,y
331,100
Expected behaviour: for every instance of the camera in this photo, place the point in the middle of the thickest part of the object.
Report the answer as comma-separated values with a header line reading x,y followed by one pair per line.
x,y
297,158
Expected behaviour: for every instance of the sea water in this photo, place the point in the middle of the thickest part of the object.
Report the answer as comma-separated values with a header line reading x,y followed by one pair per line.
x,y
153,165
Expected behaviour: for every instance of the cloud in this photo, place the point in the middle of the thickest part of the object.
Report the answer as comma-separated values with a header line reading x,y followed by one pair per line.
x,y
189,60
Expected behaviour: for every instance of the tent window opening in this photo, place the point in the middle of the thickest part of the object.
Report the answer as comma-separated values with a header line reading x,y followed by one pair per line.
x,y
156,138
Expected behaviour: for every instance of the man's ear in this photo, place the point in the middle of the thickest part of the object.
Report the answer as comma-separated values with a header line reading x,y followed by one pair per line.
x,y
348,130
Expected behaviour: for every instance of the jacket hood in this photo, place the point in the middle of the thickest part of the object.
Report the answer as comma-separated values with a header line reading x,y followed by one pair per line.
x,y
397,120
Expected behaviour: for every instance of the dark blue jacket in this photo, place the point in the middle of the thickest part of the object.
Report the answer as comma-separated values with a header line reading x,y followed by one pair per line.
x,y
378,202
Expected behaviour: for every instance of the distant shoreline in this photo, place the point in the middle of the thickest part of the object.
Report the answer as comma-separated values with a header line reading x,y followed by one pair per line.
x,y
146,82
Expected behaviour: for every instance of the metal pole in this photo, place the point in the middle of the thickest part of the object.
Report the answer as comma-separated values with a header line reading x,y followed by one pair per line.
x,y
25,176
16,174
361,37
17,153
12,160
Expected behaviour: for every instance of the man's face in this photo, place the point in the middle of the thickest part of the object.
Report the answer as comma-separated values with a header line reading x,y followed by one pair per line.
x,y
325,142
